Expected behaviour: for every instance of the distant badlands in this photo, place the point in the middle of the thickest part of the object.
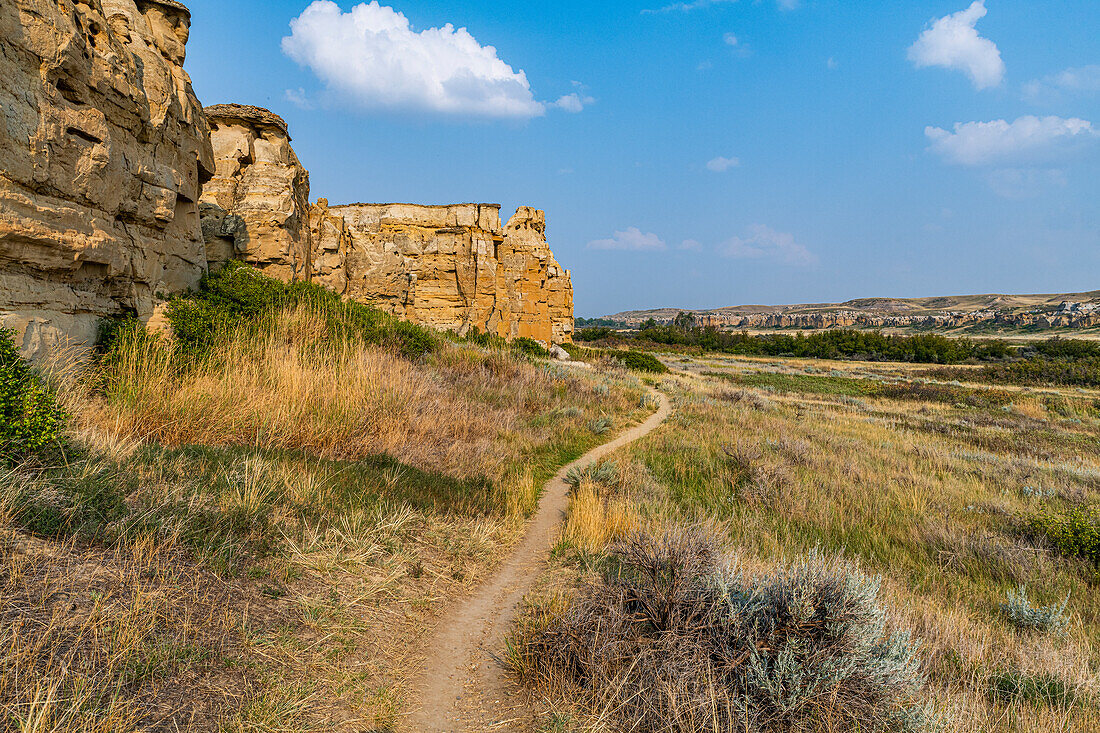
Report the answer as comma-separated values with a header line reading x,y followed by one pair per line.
x,y
1066,310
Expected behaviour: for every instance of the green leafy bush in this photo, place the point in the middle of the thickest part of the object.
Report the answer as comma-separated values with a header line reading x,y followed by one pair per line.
x,y
236,295
639,361
30,420
530,347
670,638
601,425
1074,532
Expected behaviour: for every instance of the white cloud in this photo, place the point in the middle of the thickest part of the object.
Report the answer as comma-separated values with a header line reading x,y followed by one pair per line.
x,y
691,244
1079,81
372,56
730,39
574,102
631,239
789,4
953,43
298,98
722,164
832,63
763,242
982,143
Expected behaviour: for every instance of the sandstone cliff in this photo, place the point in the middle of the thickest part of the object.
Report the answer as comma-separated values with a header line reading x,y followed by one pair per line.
x,y
256,208
103,152
449,267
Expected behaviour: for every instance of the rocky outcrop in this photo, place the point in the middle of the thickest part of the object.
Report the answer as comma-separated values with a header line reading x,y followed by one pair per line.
x,y
256,208
449,267
107,159
103,152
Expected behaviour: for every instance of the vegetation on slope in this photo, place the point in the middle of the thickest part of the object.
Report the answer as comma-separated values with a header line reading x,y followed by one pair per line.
x,y
252,525
1056,361
29,416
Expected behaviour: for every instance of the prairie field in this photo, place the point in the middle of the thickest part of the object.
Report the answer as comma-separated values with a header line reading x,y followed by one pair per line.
x,y
971,506
258,533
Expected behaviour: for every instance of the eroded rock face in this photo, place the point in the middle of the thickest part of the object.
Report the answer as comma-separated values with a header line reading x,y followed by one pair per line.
x,y
103,152
449,267
256,208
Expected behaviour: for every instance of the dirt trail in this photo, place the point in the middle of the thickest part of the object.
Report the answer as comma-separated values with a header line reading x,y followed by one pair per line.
x,y
463,687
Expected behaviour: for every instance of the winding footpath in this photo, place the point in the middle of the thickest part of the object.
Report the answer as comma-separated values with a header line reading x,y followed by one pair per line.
x,y
463,686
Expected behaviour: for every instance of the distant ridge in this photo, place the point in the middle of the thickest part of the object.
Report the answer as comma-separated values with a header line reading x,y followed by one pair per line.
x,y
1041,310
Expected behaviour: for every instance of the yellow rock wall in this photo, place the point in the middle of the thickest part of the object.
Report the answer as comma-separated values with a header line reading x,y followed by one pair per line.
x,y
449,267
103,152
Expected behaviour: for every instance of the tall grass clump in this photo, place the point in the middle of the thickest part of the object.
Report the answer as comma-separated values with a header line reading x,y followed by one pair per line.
x,y
672,639
30,420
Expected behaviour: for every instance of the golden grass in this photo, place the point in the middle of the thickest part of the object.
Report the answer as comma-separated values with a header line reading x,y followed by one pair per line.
x,y
595,521
292,387
317,622
925,494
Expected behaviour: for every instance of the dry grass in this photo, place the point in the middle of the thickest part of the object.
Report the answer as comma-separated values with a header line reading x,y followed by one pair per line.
x,y
463,411
926,494
108,640
596,520
271,527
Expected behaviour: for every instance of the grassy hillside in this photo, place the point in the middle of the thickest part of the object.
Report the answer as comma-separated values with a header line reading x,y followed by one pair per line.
x,y
976,508
252,526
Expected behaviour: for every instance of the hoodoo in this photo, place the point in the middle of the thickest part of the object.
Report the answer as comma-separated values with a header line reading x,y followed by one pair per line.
x,y
103,152
449,267
256,208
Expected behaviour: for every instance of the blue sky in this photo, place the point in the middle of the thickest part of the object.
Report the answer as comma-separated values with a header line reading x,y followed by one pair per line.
x,y
709,152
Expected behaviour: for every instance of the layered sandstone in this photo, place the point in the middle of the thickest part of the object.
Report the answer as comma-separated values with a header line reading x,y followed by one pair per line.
x,y
103,152
256,207
449,267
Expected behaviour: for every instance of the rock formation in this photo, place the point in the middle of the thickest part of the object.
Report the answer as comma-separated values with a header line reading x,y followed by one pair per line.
x,y
107,160
103,152
449,267
256,208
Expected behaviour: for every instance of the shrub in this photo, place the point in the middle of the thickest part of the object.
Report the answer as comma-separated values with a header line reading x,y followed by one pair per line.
x,y
639,361
670,638
601,425
236,295
30,420
530,347
594,334
1074,532
1019,611
604,473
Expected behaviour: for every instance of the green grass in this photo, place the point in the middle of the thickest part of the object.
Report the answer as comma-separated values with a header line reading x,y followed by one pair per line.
x,y
865,388
236,294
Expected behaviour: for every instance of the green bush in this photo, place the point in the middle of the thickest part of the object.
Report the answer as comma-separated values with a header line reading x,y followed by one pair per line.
x,y
236,295
530,347
30,420
639,361
1074,532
